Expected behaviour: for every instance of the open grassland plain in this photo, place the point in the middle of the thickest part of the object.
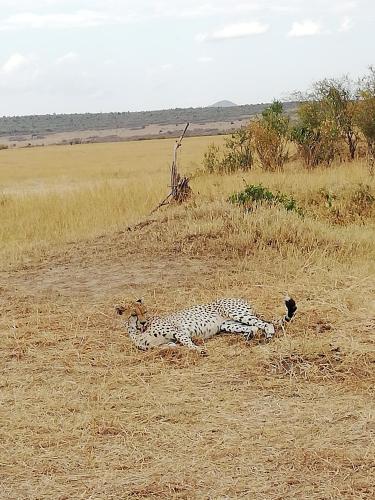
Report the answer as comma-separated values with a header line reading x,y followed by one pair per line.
x,y
86,415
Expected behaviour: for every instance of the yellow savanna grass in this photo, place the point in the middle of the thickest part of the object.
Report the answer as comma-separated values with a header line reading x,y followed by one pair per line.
x,y
56,194
85,191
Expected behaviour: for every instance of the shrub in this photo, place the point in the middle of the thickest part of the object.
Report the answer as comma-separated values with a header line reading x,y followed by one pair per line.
x,y
337,98
236,155
254,194
350,204
270,137
365,116
315,136
363,199
211,159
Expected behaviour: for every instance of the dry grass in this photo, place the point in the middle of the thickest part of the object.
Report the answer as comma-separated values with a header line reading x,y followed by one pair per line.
x,y
54,195
85,415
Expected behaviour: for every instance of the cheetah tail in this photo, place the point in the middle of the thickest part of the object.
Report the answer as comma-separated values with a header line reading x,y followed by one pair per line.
x,y
291,308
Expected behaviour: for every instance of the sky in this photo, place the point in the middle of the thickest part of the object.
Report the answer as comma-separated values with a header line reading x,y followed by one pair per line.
x,y
76,56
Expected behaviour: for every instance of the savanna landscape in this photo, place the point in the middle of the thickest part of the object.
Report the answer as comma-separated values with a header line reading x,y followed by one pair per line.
x,y
187,250
86,415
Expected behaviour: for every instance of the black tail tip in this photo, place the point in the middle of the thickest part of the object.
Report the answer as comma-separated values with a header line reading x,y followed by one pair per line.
x,y
291,306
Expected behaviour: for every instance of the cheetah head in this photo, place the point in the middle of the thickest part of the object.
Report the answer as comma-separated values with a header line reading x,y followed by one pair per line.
x,y
134,309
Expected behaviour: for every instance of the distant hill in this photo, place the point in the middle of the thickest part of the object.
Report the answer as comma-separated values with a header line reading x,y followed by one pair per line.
x,y
15,126
223,104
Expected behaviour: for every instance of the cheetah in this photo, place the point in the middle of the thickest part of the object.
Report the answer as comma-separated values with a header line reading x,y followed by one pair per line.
x,y
204,321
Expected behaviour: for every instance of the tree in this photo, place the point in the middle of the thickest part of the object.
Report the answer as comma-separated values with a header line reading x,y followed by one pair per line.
x,y
365,115
315,135
367,83
270,137
337,98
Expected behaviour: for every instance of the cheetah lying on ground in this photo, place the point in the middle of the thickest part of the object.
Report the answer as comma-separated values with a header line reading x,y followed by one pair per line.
x,y
204,321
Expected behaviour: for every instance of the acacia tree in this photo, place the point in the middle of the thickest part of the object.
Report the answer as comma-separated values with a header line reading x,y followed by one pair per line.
x,y
314,135
338,101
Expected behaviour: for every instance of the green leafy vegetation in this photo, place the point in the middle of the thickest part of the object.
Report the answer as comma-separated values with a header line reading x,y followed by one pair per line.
x,y
255,194
236,154
269,136
264,141
334,122
315,136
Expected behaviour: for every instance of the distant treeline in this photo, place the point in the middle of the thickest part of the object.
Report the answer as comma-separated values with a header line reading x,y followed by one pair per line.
x,y
55,123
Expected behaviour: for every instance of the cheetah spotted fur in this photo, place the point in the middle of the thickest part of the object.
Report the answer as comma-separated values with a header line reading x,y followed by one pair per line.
x,y
204,321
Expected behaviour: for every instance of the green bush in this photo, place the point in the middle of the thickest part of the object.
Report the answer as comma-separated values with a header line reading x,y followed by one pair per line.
x,y
212,159
254,194
236,154
316,136
336,97
270,137
237,151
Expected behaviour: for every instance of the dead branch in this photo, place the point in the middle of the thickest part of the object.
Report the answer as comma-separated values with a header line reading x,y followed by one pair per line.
x,y
180,189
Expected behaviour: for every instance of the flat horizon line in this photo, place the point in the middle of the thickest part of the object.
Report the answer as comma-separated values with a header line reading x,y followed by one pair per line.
x,y
146,110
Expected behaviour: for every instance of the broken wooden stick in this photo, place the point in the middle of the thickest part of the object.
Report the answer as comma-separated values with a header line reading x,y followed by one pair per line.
x,y
180,189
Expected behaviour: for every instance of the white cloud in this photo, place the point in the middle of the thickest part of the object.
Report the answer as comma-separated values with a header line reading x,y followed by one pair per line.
x,y
305,28
166,67
78,19
199,9
26,74
238,30
205,59
346,24
19,72
15,62
90,13
67,58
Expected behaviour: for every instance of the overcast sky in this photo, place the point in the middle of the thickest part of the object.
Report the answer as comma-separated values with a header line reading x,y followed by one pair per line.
x,y
67,56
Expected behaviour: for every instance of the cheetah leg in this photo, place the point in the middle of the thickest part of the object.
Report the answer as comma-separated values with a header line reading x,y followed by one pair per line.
x,y
184,339
231,326
170,345
252,320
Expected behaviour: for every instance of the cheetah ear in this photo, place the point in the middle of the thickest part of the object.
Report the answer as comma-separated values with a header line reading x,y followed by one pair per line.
x,y
139,301
120,309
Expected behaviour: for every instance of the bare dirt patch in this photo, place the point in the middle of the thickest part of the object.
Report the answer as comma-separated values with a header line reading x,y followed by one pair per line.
x,y
95,280
123,134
